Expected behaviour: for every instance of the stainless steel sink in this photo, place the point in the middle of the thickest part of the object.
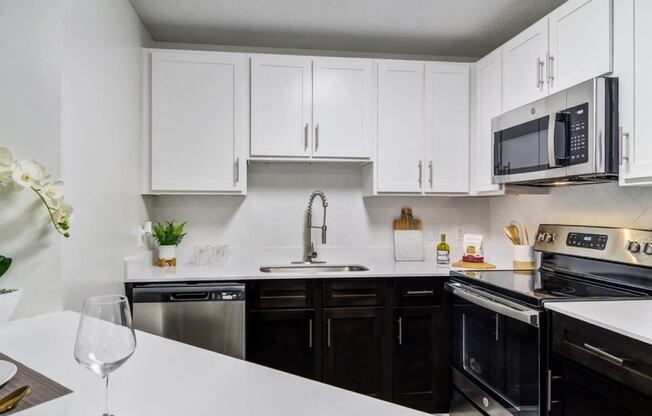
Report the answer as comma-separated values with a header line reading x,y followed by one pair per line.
x,y
314,268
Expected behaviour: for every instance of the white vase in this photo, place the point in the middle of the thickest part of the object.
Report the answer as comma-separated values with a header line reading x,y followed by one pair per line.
x,y
167,252
9,299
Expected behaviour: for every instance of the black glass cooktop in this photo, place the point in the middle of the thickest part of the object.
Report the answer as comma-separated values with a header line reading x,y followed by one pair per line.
x,y
538,286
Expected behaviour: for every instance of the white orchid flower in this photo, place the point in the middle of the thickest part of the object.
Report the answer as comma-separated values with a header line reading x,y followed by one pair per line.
x,y
53,191
63,215
28,174
6,166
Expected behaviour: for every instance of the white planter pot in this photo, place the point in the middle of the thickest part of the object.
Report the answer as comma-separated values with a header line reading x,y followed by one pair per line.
x,y
9,299
167,252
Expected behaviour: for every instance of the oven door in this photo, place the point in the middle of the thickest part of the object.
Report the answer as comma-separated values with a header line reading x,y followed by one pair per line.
x,y
498,352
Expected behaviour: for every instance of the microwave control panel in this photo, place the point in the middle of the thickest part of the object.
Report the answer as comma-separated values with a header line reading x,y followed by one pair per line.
x,y
578,134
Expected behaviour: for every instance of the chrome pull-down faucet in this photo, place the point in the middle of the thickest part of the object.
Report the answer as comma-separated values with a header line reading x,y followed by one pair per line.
x,y
309,249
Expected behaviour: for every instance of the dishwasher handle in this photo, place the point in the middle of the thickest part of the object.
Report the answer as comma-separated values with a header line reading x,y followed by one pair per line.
x,y
186,296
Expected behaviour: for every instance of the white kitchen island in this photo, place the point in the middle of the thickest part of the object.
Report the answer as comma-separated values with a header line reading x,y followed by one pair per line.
x,y
165,377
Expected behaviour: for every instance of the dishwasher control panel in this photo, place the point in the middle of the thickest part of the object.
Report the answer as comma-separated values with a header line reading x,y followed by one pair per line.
x,y
229,295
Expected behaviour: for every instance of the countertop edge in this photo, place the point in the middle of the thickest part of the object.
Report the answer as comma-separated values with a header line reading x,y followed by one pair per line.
x,y
562,308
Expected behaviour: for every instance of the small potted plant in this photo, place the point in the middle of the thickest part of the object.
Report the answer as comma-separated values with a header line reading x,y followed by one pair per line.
x,y
168,236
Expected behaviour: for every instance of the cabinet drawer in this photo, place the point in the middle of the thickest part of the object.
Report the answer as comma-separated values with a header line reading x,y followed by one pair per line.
x,y
418,292
354,292
281,294
614,356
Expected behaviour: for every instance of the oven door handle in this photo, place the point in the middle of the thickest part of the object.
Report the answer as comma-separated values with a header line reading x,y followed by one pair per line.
x,y
495,303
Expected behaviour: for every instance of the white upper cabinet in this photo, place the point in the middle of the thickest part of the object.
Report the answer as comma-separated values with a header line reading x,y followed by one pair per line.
x,y
400,126
199,123
488,104
281,105
446,161
580,42
634,17
524,66
344,107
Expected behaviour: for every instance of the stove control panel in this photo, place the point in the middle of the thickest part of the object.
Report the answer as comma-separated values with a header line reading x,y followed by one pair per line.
x,y
586,240
622,245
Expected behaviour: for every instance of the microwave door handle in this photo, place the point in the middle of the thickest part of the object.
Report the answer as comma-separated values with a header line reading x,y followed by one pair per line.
x,y
500,306
552,159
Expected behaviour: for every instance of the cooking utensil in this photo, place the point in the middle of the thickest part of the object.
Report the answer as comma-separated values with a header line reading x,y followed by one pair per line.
x,y
11,400
527,235
508,233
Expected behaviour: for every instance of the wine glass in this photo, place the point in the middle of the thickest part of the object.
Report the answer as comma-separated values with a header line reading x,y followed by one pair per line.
x,y
105,337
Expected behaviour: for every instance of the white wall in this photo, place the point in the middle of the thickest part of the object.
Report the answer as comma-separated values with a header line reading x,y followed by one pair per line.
x,y
100,142
602,204
272,214
30,46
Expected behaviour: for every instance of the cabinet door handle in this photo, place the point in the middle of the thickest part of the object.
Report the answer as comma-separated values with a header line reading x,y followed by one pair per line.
x,y
540,65
305,137
328,332
236,170
624,137
551,69
420,166
604,354
431,173
400,331
310,333
419,292
316,137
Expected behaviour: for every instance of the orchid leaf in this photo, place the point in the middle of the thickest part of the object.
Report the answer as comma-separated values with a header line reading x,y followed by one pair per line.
x,y
5,262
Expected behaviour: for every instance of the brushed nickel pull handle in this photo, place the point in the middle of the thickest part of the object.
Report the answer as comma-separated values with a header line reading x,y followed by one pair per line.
x,y
305,137
604,354
551,69
310,333
317,137
236,173
420,166
624,137
419,292
328,332
540,65
400,331
431,173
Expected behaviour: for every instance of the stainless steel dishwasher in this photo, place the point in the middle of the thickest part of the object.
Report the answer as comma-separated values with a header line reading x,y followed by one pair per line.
x,y
206,315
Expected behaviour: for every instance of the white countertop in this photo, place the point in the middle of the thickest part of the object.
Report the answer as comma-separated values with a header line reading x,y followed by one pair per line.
x,y
165,377
632,318
244,264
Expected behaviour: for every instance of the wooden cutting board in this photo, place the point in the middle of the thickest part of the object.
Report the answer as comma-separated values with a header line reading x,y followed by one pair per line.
x,y
469,265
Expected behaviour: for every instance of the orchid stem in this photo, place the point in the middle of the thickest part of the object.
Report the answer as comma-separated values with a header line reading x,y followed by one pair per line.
x,y
50,211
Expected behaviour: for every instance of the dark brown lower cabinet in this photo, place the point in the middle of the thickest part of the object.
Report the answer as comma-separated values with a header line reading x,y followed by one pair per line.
x,y
380,337
284,340
420,364
356,350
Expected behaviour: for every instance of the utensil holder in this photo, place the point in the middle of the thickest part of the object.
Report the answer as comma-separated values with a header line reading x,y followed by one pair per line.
x,y
524,257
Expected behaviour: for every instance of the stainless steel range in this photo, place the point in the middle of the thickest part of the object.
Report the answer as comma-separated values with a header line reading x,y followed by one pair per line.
x,y
500,328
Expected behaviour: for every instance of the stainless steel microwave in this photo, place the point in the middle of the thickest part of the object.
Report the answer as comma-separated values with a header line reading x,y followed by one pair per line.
x,y
568,137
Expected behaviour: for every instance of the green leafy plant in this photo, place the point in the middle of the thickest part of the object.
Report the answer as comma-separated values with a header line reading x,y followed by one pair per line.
x,y
5,262
169,234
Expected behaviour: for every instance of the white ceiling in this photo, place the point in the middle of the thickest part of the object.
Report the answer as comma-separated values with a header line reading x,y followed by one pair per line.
x,y
417,27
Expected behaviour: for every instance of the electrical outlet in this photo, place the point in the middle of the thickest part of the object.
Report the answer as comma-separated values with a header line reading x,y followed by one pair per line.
x,y
459,235
433,232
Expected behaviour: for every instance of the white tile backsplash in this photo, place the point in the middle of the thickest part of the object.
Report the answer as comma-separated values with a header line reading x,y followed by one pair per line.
x,y
273,212
600,204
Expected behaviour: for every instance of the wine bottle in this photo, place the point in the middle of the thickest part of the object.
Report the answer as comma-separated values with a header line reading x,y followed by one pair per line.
x,y
443,251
